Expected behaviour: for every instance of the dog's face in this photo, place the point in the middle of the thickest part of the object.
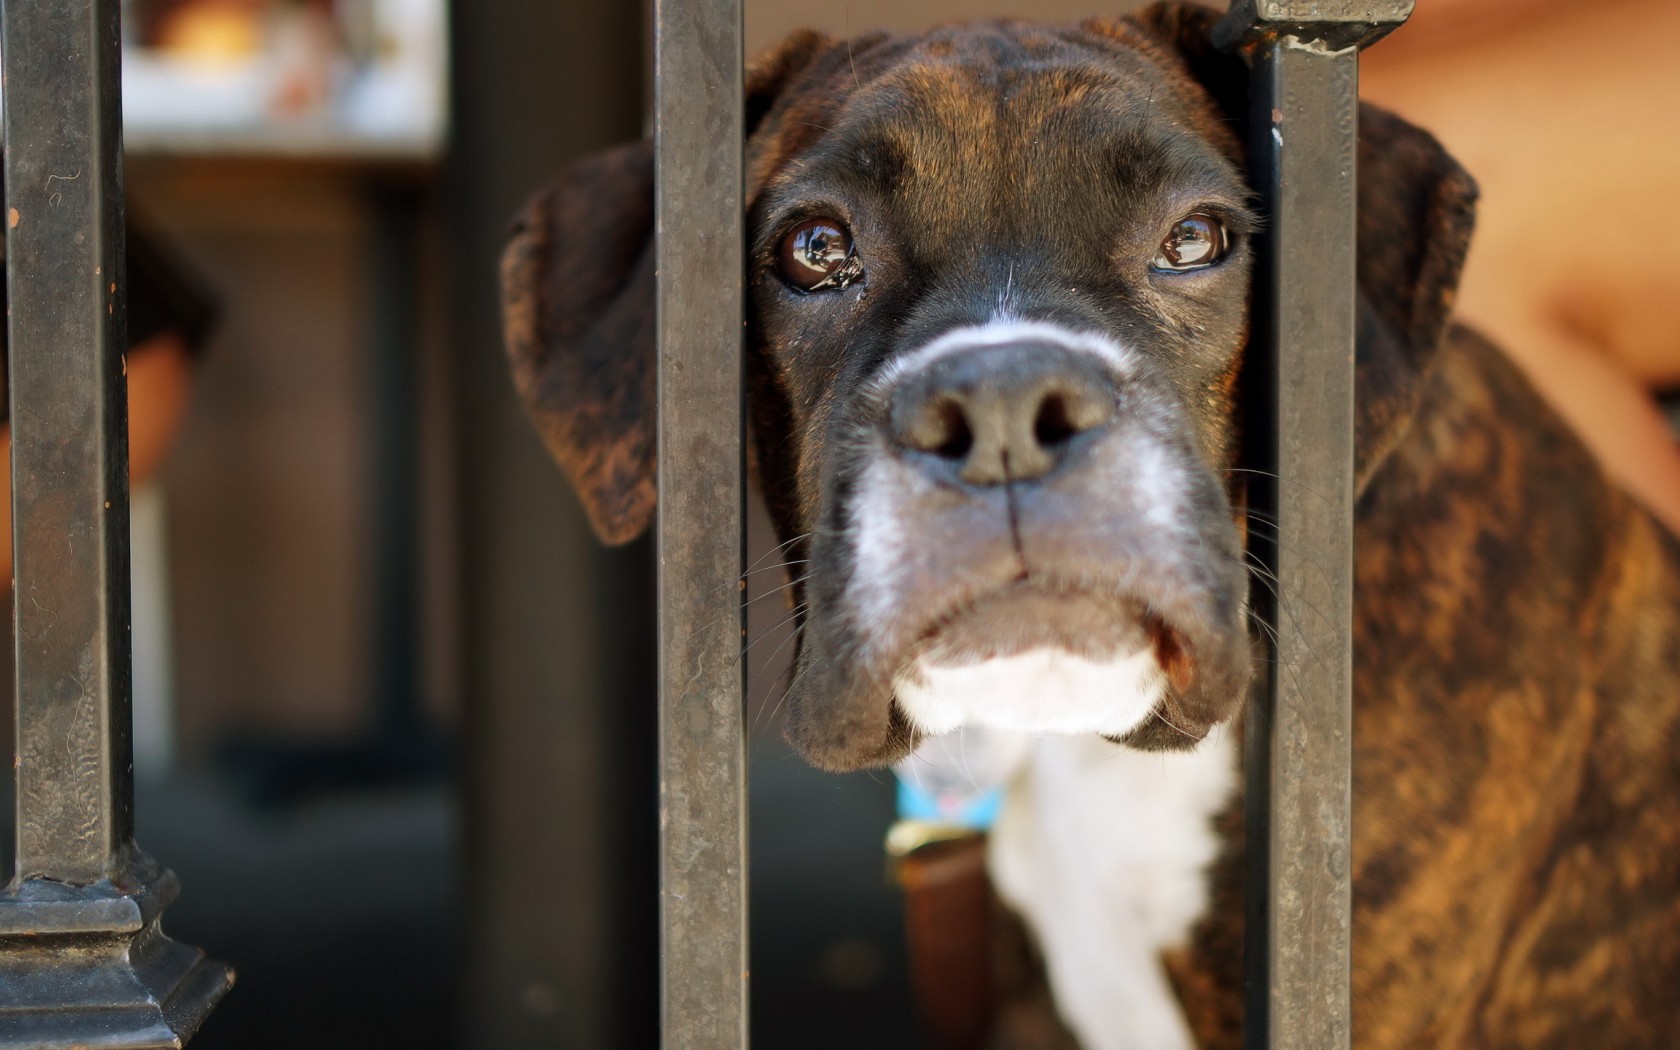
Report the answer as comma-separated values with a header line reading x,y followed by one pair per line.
x,y
999,284
998,304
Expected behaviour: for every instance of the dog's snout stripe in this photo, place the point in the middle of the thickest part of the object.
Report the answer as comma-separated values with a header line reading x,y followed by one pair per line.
x,y
1003,331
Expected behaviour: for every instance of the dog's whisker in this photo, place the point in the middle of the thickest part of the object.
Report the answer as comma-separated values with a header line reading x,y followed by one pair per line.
x,y
915,777
968,771
1157,712
1278,542
791,617
778,589
746,605
780,547
1277,660
773,568
770,662
1280,478
763,715
1279,591
737,581
1294,621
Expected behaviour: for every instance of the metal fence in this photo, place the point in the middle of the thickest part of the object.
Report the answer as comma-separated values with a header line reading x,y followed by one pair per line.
x,y
81,958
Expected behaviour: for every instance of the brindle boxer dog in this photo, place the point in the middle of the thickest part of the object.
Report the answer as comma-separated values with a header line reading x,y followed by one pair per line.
x,y
999,284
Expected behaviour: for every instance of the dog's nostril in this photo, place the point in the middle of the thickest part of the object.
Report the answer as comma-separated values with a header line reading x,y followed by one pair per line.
x,y
955,436
1063,415
1052,426
939,426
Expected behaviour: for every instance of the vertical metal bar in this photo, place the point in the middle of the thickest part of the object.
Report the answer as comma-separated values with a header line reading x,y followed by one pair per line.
x,y
80,956
1304,56
698,126
69,438
1309,97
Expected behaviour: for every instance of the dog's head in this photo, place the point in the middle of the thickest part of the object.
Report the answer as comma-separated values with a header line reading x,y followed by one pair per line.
x,y
999,291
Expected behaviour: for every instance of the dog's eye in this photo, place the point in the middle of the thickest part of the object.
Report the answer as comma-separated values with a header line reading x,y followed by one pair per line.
x,y
817,255
1196,242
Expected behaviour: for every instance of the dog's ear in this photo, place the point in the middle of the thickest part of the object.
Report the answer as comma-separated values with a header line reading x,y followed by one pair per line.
x,y
578,313
1417,208
578,324
1416,211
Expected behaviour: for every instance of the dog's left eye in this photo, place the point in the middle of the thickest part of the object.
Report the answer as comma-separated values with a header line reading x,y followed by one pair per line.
x,y
1196,242
818,255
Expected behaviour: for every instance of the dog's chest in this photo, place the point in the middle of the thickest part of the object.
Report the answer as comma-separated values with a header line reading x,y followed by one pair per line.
x,y
1104,853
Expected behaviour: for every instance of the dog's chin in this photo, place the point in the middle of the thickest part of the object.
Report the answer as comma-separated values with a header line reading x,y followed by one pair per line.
x,y
1026,617
1026,657
1045,660
1042,690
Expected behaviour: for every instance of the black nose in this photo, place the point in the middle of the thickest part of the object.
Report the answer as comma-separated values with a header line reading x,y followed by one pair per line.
x,y
1001,413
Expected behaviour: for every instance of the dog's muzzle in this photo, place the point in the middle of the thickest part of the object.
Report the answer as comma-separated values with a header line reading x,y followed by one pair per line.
x,y
1031,542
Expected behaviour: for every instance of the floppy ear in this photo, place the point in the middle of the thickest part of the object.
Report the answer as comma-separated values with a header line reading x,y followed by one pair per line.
x,y
578,313
1416,211
578,324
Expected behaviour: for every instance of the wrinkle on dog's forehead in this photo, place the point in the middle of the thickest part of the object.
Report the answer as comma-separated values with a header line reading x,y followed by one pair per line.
x,y
967,100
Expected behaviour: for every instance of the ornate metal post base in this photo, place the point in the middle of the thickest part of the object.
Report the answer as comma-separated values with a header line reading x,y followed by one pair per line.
x,y
90,966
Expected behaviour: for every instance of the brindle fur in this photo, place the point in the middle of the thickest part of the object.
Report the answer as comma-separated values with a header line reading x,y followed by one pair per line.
x,y
1516,744
1517,631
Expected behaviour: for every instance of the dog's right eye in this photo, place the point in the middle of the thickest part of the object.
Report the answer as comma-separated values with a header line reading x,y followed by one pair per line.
x,y
817,255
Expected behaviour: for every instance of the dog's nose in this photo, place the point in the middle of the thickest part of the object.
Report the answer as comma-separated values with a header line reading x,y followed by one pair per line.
x,y
1008,412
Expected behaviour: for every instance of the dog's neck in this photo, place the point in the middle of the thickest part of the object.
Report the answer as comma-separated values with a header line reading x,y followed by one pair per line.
x,y
1104,851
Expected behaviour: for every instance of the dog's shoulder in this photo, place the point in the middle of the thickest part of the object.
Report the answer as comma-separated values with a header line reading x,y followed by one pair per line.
x,y
1488,468
1517,783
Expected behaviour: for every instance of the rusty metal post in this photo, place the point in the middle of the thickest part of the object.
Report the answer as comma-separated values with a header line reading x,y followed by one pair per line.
x,y
702,803
82,960
1303,145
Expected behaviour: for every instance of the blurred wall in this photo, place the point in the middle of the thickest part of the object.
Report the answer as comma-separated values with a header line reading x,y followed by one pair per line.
x,y
561,880
270,484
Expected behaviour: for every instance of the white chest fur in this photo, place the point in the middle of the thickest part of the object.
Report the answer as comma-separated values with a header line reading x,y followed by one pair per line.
x,y
1104,851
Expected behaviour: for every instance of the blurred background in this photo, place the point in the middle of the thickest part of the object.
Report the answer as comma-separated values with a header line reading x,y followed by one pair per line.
x,y
394,709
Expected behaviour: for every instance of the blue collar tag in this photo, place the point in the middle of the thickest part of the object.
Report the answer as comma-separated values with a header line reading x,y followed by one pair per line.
x,y
976,811
957,779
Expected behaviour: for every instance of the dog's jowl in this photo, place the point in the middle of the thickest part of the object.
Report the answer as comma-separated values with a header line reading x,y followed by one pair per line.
x,y
999,280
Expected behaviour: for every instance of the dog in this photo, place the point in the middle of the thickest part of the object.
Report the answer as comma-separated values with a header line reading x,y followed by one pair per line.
x,y
999,286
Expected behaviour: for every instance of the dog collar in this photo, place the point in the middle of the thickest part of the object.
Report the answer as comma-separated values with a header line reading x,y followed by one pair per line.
x,y
952,786
972,809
